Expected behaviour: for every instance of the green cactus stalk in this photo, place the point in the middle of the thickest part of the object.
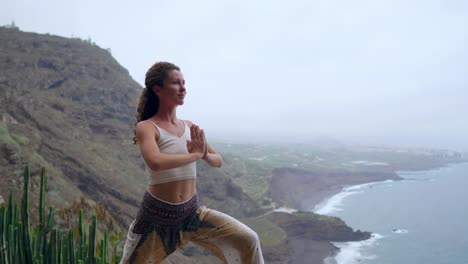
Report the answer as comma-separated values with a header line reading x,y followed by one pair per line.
x,y
101,250
71,247
16,218
42,198
59,247
37,243
81,238
50,222
3,252
33,238
25,218
92,241
11,243
52,256
8,242
64,256
41,236
9,217
85,248
104,248
10,209
18,251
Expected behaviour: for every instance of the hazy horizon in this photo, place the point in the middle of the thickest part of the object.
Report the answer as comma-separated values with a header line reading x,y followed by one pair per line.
x,y
366,72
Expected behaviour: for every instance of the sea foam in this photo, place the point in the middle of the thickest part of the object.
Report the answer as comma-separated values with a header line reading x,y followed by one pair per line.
x,y
352,252
334,203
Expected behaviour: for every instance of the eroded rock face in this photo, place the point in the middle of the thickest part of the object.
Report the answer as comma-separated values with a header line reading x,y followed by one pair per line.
x,y
73,108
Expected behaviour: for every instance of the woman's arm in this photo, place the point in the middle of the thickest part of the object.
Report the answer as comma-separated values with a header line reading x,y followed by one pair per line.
x,y
147,133
212,157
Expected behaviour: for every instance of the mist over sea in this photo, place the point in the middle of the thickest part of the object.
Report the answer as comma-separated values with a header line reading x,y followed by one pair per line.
x,y
422,219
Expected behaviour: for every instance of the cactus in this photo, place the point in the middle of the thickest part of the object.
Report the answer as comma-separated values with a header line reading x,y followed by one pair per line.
x,y
71,247
2,235
81,239
8,216
25,219
50,223
42,199
22,243
41,233
52,257
64,249
104,248
92,240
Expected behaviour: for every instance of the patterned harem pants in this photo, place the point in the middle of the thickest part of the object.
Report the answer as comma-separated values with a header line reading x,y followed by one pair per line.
x,y
161,227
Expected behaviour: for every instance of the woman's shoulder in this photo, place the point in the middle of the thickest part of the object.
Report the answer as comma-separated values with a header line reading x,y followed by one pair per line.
x,y
146,126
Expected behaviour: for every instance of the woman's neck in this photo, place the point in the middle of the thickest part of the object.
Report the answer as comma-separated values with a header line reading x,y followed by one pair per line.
x,y
166,115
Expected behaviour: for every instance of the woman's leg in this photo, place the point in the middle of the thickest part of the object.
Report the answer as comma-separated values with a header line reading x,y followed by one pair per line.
x,y
150,248
228,239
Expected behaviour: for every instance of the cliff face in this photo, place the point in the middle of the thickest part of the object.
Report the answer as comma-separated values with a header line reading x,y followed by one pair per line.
x,y
68,105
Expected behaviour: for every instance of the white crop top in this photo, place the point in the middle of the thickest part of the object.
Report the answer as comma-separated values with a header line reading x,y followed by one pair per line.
x,y
172,144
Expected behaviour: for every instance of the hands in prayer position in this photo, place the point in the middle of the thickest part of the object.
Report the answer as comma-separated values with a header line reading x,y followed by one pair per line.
x,y
198,143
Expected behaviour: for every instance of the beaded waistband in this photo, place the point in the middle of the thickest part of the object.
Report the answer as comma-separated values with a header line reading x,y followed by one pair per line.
x,y
166,219
165,214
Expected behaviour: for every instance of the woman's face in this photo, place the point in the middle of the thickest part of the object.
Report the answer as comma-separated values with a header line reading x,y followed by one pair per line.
x,y
173,90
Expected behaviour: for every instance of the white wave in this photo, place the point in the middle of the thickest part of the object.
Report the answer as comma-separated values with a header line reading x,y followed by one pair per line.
x,y
334,203
260,158
399,231
285,210
367,185
369,163
352,252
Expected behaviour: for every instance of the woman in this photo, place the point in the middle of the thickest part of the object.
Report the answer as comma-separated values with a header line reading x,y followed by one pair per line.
x,y
170,215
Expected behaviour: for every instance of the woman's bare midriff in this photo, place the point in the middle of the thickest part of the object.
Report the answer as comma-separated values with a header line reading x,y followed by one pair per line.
x,y
174,192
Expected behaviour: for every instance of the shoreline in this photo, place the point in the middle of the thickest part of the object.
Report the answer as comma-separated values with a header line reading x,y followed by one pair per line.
x,y
347,252
351,249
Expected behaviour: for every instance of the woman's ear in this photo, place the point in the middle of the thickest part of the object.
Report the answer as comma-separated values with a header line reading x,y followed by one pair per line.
x,y
157,90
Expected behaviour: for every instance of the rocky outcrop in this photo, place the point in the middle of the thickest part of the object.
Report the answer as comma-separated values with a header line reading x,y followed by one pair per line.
x,y
309,235
310,226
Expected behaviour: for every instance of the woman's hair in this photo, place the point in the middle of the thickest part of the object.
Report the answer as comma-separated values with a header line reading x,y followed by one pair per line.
x,y
148,103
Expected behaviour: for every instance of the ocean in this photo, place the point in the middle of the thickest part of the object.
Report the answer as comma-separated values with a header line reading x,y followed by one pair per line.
x,y
421,219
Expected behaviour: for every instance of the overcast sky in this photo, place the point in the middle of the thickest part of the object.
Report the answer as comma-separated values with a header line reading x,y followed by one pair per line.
x,y
374,72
